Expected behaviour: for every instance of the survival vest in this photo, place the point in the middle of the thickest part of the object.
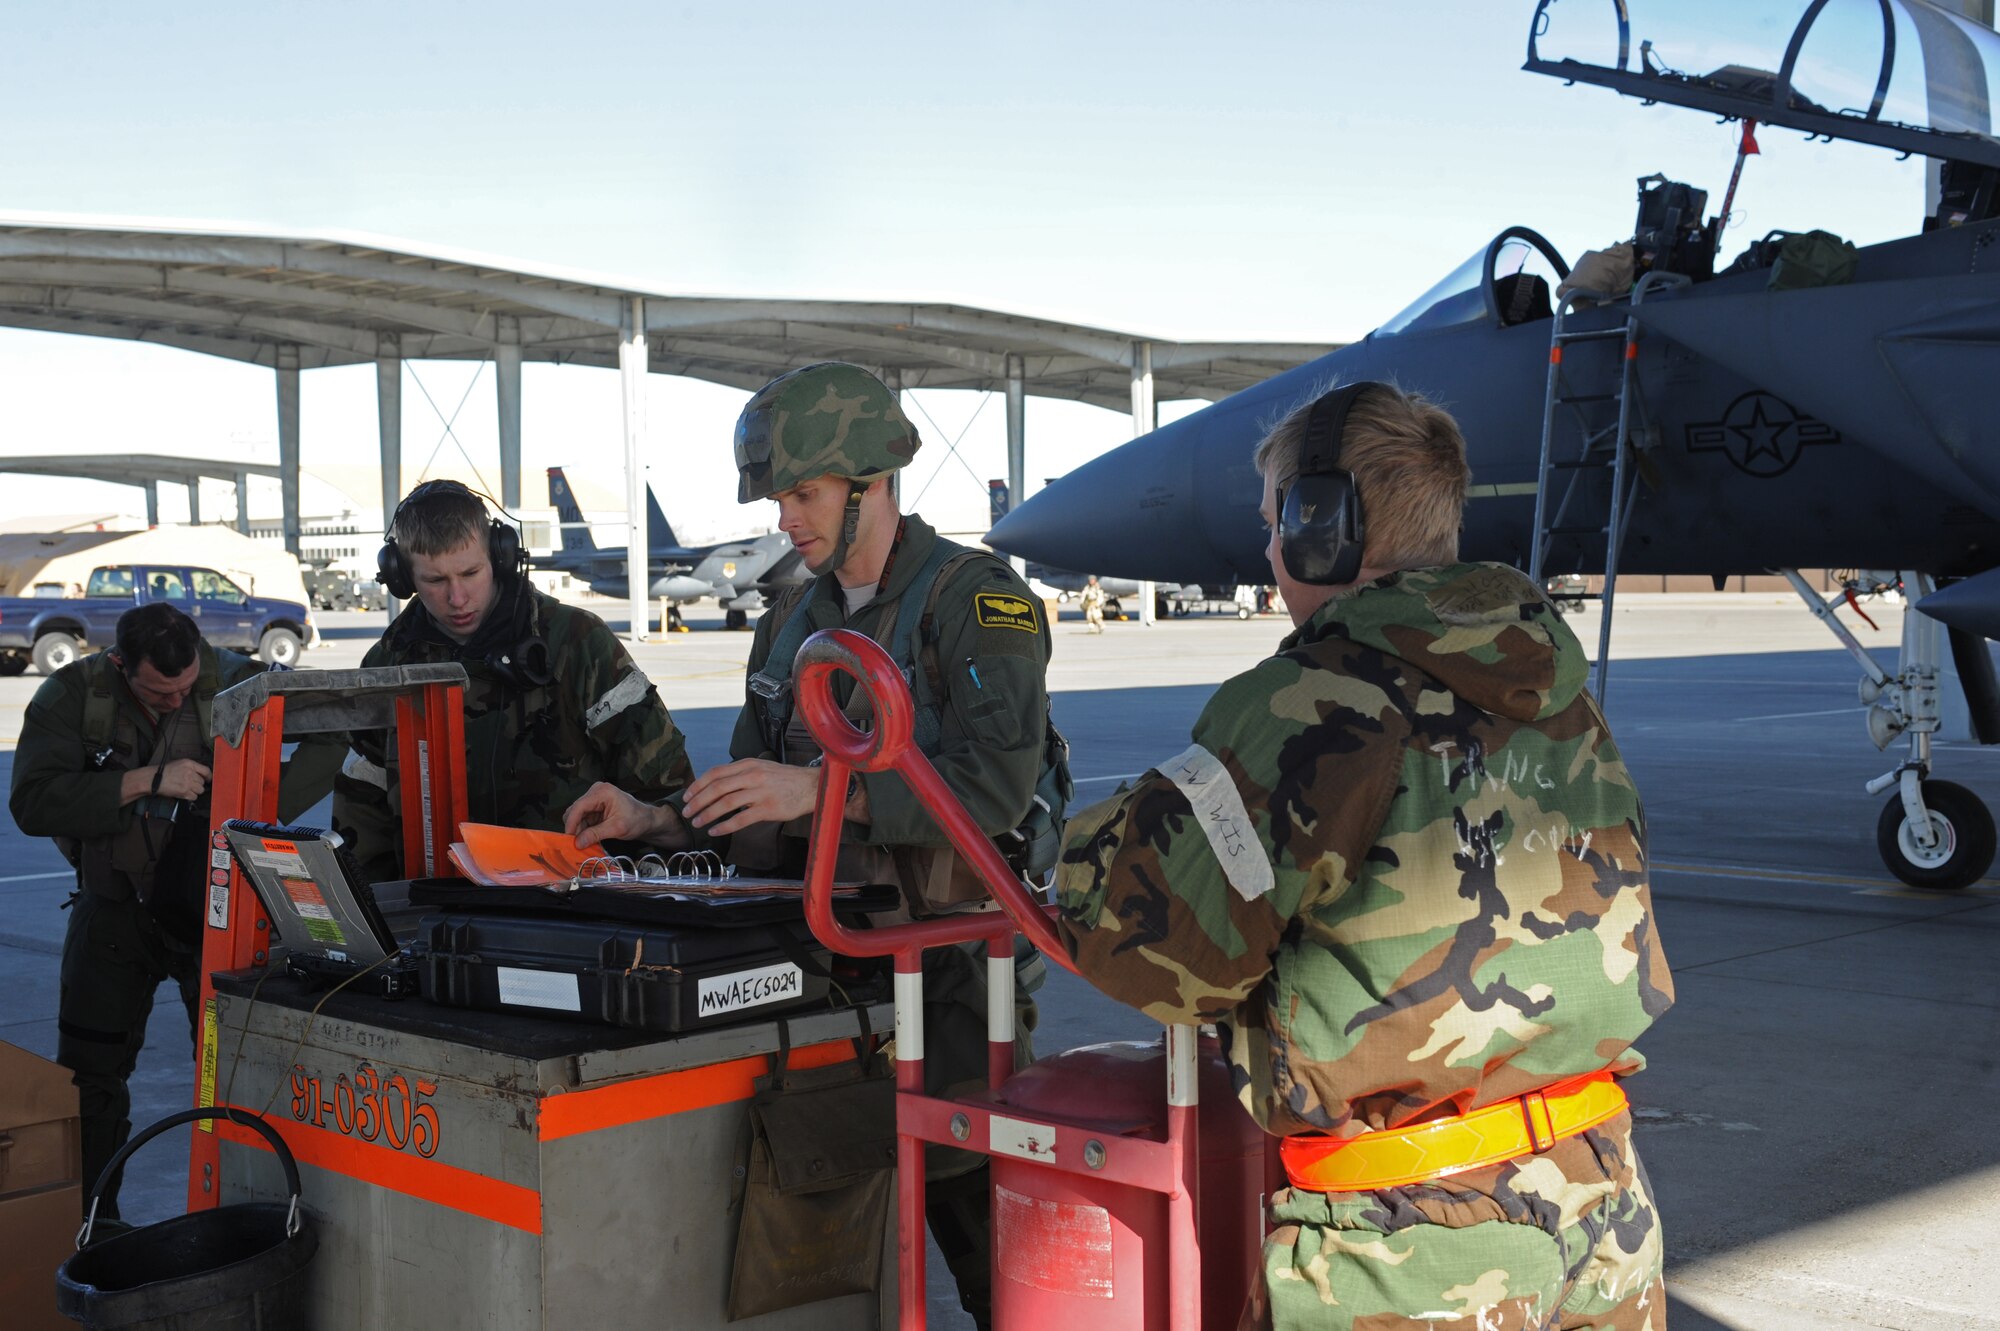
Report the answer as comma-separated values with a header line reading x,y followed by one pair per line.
x,y
1030,848
123,864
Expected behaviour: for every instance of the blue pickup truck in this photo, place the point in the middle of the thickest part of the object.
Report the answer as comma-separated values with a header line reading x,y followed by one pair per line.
x,y
52,631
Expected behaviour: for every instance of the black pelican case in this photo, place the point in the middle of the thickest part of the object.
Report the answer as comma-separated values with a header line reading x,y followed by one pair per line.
x,y
642,976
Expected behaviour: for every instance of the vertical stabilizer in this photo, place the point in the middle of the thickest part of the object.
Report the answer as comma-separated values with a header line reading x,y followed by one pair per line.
x,y
575,531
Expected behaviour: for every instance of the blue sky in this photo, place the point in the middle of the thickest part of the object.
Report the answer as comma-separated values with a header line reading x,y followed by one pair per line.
x,y
1286,170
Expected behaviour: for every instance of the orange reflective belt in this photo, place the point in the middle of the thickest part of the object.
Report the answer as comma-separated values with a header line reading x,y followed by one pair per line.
x,y
1390,1159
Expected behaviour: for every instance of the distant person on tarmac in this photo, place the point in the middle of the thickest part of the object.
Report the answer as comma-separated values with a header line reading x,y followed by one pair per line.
x,y
114,763
1093,605
554,702
1402,867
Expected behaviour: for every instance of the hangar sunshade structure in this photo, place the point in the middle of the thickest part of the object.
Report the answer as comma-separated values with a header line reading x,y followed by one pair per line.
x,y
296,303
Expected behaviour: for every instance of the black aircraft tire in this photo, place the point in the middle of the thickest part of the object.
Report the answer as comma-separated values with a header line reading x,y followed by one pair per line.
x,y
1964,855
13,663
736,619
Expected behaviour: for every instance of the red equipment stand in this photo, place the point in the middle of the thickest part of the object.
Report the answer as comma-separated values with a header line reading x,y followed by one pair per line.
x,y
1099,1156
425,704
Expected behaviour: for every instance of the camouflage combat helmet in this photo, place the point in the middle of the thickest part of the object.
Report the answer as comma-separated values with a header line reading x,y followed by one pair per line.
x,y
824,420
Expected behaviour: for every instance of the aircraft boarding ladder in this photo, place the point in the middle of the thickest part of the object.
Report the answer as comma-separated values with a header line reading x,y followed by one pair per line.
x,y
1610,425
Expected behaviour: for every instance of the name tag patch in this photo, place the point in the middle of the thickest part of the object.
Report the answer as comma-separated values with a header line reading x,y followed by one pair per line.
x,y
1231,832
1004,610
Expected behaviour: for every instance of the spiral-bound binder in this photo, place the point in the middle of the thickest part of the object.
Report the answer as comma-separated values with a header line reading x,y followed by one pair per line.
x,y
513,857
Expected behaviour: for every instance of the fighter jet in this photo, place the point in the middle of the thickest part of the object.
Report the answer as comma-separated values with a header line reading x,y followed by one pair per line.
x,y
1803,407
738,574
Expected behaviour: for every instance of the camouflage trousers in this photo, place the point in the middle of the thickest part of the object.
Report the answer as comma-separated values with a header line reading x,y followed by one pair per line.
x,y
1552,1242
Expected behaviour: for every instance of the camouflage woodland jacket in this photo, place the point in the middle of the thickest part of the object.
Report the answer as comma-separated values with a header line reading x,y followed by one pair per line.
x,y
530,751
1401,864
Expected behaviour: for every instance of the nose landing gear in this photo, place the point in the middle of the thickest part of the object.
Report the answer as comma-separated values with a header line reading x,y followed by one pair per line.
x,y
1948,846
1931,834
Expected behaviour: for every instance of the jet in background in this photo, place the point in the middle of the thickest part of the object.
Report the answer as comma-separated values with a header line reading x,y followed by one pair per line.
x,y
1803,407
738,574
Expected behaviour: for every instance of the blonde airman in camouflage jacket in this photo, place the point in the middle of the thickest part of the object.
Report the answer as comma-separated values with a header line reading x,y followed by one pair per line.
x,y
1402,867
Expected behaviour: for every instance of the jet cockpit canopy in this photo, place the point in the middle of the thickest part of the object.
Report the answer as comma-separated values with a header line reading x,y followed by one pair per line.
x,y
1900,74
1506,281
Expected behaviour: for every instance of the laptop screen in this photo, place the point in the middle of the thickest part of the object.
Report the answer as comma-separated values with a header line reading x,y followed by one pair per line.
x,y
307,883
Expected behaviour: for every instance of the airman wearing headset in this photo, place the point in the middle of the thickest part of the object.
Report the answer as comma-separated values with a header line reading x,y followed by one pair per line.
x,y
554,703
1402,867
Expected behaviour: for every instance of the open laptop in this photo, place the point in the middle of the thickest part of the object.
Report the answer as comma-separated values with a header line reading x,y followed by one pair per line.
x,y
329,920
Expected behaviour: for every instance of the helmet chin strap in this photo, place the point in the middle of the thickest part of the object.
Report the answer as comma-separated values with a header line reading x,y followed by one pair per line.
x,y
850,523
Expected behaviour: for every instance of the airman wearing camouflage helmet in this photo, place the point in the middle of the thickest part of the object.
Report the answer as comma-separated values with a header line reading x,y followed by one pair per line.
x,y
1402,867
824,442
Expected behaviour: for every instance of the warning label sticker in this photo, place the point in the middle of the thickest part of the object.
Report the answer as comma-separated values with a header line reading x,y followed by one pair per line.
x,y
205,1093
305,896
280,857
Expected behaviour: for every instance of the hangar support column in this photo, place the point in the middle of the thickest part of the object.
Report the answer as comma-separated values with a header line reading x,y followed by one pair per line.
x,y
893,381
194,501
507,389
243,502
1145,417
389,420
632,379
288,441
152,504
1017,442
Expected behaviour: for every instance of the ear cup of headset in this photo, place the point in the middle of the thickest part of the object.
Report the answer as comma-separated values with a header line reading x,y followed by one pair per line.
x,y
392,572
1321,535
504,552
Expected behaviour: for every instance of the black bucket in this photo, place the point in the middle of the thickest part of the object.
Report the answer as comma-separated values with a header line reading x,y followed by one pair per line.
x,y
235,1268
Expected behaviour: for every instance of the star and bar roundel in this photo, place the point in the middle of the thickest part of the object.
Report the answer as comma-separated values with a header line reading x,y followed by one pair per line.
x,y
1763,434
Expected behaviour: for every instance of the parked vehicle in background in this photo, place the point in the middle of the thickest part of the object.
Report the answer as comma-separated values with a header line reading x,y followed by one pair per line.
x,y
52,631
1568,591
336,588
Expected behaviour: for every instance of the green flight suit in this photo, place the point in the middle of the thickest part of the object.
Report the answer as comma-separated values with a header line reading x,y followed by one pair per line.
x,y
992,654
530,750
135,919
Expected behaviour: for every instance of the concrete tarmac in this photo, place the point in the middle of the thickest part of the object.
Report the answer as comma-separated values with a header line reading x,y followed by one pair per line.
x,y
1812,1117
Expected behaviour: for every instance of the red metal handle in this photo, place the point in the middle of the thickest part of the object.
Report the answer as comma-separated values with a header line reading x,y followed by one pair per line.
x,y
888,747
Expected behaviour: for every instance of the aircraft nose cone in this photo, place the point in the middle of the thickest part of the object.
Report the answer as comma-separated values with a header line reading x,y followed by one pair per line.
x,y
1159,507
1972,606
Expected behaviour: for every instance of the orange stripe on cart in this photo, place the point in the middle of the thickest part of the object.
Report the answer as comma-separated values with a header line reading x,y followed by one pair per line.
x,y
667,1093
398,1171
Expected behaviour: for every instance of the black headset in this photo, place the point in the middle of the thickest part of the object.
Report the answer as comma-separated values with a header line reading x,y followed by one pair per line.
x,y
1320,531
503,542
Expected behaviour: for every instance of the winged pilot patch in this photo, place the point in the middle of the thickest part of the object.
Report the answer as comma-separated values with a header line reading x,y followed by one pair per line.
x,y
1004,610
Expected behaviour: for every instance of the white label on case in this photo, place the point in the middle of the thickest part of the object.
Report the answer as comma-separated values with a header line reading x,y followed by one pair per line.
x,y
747,989
544,989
